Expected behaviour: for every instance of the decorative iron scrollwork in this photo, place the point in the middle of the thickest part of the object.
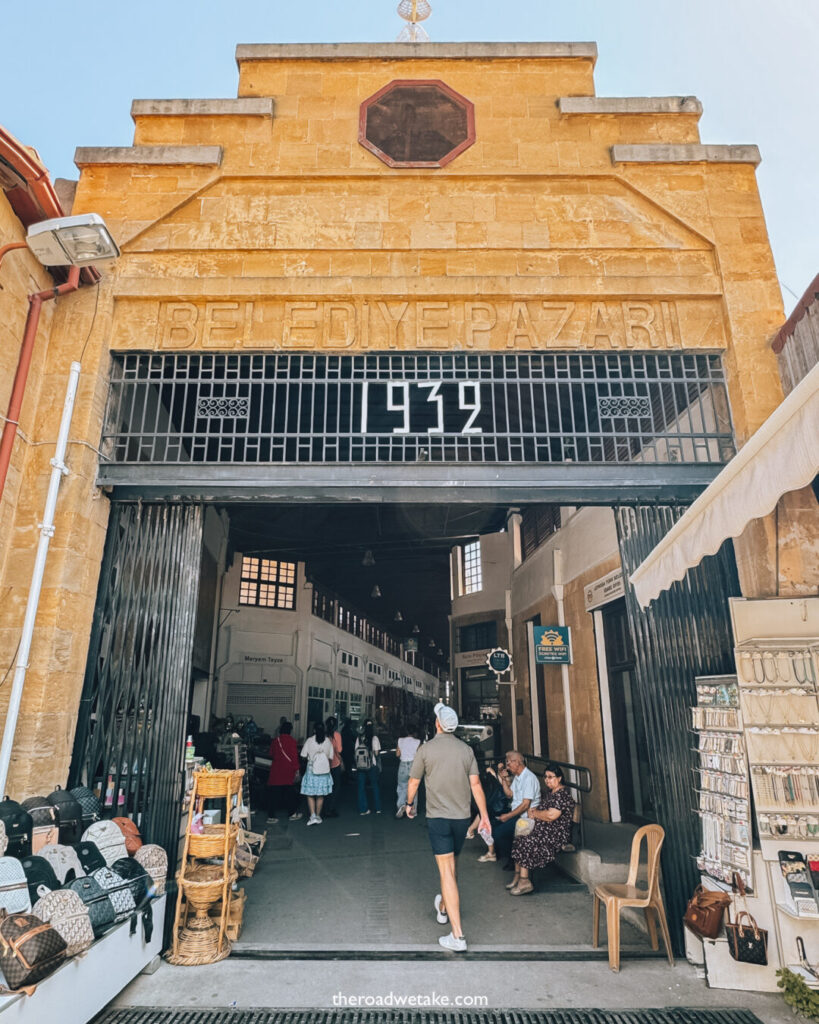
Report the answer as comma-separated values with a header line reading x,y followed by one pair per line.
x,y
222,407
631,405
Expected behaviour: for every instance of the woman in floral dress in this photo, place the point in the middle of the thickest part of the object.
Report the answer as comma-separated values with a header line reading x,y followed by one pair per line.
x,y
552,831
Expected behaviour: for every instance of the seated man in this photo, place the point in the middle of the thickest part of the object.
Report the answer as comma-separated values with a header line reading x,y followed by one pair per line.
x,y
523,789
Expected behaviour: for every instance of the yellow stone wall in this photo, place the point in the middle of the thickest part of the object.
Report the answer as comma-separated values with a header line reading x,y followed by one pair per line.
x,y
295,237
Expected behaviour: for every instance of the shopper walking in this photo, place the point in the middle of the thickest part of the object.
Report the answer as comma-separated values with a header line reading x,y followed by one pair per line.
x,y
450,771
334,736
317,782
281,782
368,767
522,787
405,751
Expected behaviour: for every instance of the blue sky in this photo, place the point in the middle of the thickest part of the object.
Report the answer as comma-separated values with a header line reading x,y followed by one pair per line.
x,y
68,76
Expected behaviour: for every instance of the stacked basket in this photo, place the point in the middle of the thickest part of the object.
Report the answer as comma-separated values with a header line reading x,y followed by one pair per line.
x,y
207,875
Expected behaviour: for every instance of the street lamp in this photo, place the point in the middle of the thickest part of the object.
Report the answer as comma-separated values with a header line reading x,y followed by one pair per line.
x,y
79,241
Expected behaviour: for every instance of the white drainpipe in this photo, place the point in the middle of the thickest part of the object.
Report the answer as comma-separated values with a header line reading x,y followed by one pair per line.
x,y
58,470
557,592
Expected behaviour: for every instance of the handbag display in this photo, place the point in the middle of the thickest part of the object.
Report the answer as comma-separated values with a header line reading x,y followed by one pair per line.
x,y
14,894
69,813
747,943
64,861
137,877
155,861
703,915
19,827
29,950
40,877
118,890
43,814
109,840
100,908
68,915
91,807
130,833
524,827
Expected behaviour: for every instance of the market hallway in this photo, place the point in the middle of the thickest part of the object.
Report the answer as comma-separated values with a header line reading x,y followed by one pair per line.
x,y
365,885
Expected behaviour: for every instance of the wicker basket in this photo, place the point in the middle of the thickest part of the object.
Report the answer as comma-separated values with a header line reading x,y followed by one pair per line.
x,y
205,882
236,910
219,783
198,944
211,842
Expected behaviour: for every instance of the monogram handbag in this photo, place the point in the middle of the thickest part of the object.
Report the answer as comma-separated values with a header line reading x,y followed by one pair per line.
x,y
29,950
68,915
109,840
90,805
64,860
747,943
703,915
118,890
100,908
155,861
14,894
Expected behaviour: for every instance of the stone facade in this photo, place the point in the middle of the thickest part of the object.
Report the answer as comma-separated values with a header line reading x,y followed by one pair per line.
x,y
252,224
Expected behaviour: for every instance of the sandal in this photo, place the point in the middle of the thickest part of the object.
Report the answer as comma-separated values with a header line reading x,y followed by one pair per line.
x,y
522,889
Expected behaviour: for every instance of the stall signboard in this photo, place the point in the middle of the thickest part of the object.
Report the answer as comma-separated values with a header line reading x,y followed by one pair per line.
x,y
499,660
553,645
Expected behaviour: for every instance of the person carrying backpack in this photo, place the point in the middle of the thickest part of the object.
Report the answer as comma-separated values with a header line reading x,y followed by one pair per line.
x,y
317,782
367,766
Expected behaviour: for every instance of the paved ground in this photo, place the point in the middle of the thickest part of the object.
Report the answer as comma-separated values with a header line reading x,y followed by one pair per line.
x,y
356,886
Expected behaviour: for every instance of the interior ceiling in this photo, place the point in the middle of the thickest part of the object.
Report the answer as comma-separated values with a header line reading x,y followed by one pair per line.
x,y
410,545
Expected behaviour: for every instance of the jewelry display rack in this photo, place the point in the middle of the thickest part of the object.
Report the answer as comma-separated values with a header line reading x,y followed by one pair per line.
x,y
723,788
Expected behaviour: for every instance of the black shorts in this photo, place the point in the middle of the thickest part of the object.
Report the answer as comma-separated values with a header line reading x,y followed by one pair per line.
x,y
447,835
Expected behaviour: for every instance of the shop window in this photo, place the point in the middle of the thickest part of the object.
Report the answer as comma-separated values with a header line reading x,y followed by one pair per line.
x,y
537,525
480,636
472,580
268,583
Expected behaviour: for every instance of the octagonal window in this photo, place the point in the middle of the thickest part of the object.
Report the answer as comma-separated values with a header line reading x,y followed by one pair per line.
x,y
417,124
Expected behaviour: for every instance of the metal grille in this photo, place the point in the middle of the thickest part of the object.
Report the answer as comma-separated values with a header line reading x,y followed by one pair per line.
x,y
685,633
619,407
131,729
672,1015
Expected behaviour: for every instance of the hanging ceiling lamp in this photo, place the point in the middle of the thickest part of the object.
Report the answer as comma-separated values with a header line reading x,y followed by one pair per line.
x,y
376,591
440,653
368,559
431,642
415,630
398,616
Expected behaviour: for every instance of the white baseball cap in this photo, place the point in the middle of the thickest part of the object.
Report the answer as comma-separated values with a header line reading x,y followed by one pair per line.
x,y
447,716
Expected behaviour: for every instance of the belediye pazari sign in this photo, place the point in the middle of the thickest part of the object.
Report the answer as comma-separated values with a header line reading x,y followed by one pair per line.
x,y
553,645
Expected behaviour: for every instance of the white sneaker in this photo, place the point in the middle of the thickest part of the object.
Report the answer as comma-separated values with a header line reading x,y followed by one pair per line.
x,y
363,813
452,944
441,916
313,820
297,816
272,821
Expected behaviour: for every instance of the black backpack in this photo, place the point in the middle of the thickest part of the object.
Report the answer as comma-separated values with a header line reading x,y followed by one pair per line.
x,y
43,814
40,877
19,827
91,807
90,856
100,907
134,873
70,815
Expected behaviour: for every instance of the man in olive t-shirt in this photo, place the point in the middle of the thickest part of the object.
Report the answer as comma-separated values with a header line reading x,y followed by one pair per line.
x,y
452,779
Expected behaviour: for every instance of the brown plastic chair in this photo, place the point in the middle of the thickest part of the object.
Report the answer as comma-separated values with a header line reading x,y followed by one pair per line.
x,y
616,897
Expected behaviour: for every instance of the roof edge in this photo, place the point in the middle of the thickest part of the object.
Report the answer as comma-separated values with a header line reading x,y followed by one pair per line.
x,y
413,51
809,298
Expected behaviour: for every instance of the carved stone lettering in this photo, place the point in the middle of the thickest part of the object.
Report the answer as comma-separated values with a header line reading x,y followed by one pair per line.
x,y
424,324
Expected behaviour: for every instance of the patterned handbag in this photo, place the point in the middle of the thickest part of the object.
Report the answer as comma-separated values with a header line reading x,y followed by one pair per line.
x,y
69,813
100,908
118,890
155,861
29,950
14,895
3,840
108,839
68,915
64,862
130,832
40,877
43,814
747,943
135,874
91,807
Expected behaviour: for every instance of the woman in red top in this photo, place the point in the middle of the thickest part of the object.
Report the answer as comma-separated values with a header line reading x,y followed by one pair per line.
x,y
281,787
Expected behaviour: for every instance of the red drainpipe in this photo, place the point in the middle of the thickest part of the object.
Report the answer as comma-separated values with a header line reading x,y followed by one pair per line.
x,y
35,303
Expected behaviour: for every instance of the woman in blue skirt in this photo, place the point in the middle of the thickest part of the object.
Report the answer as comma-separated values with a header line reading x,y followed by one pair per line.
x,y
317,782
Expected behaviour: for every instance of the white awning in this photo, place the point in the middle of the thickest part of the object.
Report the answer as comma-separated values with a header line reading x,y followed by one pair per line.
x,y
782,456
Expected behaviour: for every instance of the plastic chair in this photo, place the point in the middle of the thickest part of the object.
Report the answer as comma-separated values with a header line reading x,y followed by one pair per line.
x,y
616,897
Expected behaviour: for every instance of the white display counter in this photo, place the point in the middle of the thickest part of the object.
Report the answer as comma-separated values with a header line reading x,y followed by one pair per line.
x,y
85,984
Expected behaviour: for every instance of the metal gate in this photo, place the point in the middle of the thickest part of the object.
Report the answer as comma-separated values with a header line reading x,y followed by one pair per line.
x,y
684,633
130,735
